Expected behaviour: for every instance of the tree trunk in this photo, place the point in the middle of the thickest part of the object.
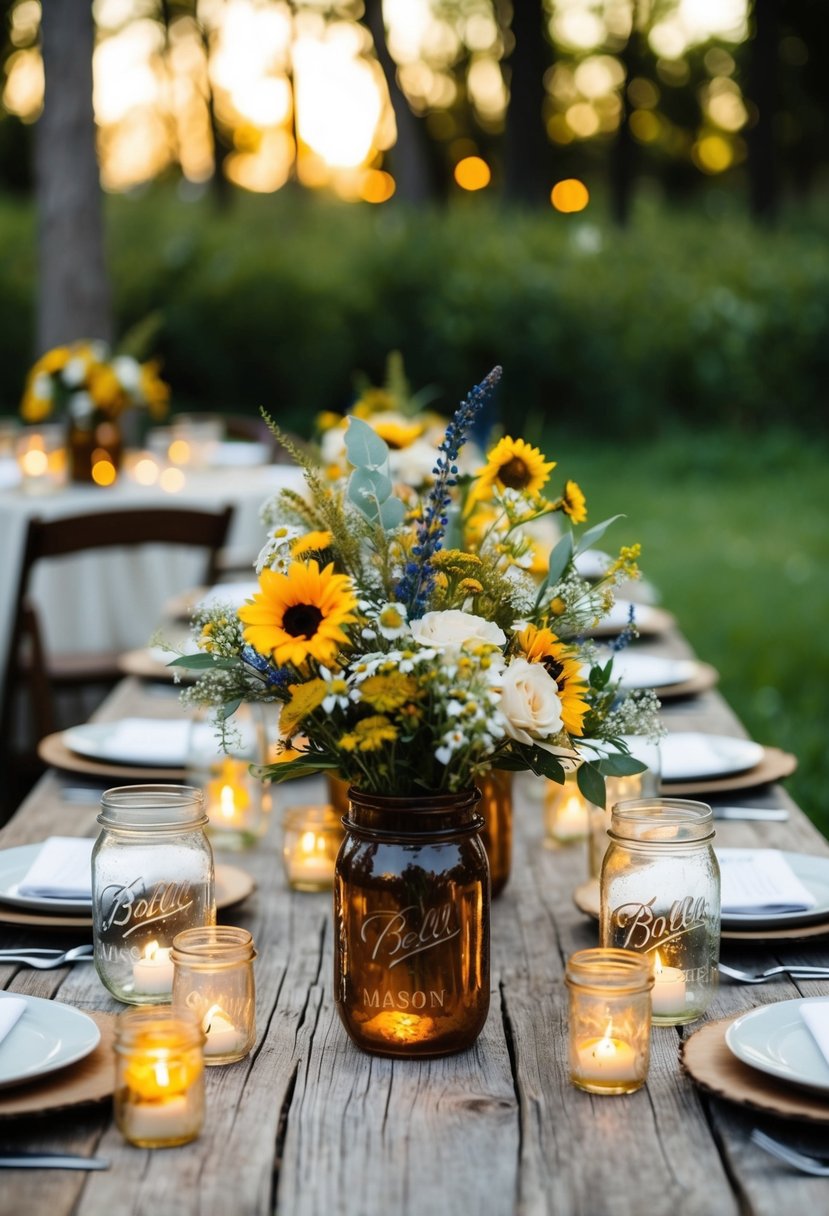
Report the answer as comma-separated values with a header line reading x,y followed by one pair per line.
x,y
762,90
527,156
410,159
73,289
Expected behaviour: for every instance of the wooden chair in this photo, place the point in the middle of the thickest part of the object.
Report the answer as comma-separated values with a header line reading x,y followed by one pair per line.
x,y
33,678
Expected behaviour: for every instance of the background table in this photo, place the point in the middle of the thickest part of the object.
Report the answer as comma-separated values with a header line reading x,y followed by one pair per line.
x,y
308,1124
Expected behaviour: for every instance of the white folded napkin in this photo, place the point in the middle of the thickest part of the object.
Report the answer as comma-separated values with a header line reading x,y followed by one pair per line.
x,y
761,880
816,1016
229,593
61,870
159,741
11,1007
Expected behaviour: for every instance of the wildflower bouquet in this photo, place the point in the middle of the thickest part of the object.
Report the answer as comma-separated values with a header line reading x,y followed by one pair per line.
x,y
85,382
414,641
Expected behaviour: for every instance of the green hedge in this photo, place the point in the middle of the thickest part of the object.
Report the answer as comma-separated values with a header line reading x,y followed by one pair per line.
x,y
278,302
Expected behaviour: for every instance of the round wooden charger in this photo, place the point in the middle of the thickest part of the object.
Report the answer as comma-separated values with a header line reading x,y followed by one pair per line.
x,y
141,663
586,899
710,1065
774,766
232,886
90,1080
52,750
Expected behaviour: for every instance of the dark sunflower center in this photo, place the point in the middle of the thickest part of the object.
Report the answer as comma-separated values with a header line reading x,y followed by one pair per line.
x,y
301,620
552,667
514,474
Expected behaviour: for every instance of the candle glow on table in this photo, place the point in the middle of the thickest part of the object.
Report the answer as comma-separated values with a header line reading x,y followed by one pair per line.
x,y
668,993
312,841
156,1101
567,814
153,972
607,1058
228,799
222,1037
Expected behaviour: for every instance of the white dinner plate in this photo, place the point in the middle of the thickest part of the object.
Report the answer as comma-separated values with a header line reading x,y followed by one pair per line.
x,y
691,755
619,616
593,563
47,1036
651,671
813,872
156,743
776,1040
14,866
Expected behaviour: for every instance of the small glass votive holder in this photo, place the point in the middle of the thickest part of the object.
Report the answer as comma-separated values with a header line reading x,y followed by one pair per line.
x,y
636,785
312,836
610,1020
566,813
196,439
41,459
233,797
213,981
159,1076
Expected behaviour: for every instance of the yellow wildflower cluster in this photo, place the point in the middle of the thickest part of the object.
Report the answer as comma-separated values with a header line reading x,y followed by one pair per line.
x,y
627,561
85,378
387,693
369,735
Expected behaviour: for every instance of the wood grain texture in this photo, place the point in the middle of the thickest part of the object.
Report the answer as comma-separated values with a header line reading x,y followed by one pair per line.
x,y
308,1125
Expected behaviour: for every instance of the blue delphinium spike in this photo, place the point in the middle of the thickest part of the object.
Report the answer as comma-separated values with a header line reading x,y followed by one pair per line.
x,y
415,587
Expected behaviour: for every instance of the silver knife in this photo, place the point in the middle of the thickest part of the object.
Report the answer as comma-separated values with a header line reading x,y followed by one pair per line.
x,y
770,814
51,1161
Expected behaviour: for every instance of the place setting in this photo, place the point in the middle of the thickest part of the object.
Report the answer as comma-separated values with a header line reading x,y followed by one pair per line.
x,y
47,885
130,748
670,678
698,763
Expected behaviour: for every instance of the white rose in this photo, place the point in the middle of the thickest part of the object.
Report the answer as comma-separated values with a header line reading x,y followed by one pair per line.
x,y
413,465
332,445
128,372
449,630
530,702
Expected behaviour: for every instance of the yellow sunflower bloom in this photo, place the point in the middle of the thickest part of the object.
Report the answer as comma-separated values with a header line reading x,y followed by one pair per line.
x,y
542,646
305,698
311,542
373,401
573,502
397,432
301,614
53,361
513,465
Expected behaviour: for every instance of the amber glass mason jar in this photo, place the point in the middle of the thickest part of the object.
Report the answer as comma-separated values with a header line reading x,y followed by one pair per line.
x,y
411,916
96,451
496,811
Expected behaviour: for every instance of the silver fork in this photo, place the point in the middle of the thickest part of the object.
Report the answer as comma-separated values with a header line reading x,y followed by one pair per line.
x,y
46,960
795,971
800,1161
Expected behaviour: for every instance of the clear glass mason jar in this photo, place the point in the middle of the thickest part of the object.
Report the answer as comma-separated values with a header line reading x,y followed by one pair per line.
x,y
495,808
660,896
159,1077
411,917
610,1020
233,797
152,877
213,980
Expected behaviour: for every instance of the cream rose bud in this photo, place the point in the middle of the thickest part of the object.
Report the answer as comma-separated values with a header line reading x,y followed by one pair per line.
x,y
450,629
530,702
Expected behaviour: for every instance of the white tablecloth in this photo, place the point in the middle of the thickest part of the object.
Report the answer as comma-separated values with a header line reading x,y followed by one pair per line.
x,y
82,602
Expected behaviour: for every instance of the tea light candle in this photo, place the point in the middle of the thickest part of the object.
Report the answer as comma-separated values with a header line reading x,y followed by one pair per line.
x,y
312,840
159,1089
668,994
607,1058
228,800
223,1038
153,973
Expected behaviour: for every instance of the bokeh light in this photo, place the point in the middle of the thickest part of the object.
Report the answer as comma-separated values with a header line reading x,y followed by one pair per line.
x,y
570,195
472,173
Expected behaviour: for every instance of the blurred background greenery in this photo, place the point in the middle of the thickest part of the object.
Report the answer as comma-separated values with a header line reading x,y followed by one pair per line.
x,y
623,202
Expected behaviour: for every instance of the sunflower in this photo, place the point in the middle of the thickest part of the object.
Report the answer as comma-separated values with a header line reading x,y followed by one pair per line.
x,y
300,615
542,646
397,432
573,502
513,465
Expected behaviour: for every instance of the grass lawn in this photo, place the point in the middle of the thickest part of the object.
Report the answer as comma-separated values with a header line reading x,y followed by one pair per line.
x,y
734,535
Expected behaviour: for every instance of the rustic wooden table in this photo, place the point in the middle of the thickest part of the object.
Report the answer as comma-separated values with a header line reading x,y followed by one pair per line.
x,y
308,1124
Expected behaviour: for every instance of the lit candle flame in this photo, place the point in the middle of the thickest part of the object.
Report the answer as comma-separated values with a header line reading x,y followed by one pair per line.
x,y
227,802
308,842
657,963
215,1011
151,950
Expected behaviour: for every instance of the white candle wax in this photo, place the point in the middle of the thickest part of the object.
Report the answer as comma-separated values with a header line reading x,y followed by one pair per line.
x,y
607,1059
571,819
310,861
167,1120
223,1038
668,992
153,974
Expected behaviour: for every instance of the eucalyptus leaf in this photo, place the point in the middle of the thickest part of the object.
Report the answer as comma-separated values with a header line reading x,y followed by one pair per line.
x,y
591,784
559,559
203,662
228,709
367,488
596,533
391,513
364,447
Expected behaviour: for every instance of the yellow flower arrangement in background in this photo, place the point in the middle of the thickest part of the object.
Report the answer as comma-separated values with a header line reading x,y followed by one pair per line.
x,y
85,382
